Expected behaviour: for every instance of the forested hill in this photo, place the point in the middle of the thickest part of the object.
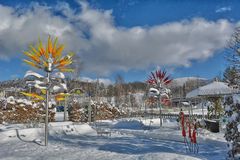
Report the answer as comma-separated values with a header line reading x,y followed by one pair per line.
x,y
179,86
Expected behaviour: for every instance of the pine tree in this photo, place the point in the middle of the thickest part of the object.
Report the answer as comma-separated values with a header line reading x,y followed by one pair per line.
x,y
231,76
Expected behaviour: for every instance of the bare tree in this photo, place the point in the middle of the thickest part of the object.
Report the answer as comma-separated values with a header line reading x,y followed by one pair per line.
x,y
77,65
119,81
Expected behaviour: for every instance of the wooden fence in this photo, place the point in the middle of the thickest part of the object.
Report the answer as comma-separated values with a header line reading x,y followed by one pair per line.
x,y
169,115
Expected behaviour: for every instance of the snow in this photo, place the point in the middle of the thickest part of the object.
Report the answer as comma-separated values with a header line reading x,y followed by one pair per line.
x,y
186,103
238,127
36,82
58,75
68,140
31,73
233,117
228,108
61,87
236,98
39,87
11,100
202,122
52,102
153,92
129,124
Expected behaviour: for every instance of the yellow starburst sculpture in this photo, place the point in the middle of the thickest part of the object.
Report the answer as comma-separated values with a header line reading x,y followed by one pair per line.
x,y
41,57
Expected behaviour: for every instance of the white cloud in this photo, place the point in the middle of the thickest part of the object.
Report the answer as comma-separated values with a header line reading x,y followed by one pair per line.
x,y
174,43
105,81
223,9
19,28
108,47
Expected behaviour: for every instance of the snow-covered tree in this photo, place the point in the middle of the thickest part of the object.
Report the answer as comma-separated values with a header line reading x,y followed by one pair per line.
x,y
232,134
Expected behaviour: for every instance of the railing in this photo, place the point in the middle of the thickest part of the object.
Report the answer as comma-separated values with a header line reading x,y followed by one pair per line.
x,y
169,115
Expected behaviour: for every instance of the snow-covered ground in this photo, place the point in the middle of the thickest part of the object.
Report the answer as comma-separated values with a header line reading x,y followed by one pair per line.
x,y
130,139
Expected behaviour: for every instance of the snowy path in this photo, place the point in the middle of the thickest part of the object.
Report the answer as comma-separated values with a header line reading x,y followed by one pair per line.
x,y
78,141
170,140
89,147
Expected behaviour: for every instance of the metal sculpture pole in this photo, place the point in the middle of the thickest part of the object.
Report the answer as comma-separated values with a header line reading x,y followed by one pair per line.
x,y
159,102
202,109
47,104
89,111
65,109
160,110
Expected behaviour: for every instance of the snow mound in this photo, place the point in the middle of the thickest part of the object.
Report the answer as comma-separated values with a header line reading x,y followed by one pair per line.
x,y
129,124
55,129
69,128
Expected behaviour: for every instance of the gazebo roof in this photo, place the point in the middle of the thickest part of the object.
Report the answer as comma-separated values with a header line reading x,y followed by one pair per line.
x,y
213,89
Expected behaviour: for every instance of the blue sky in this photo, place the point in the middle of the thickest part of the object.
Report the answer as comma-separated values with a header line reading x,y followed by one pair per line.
x,y
130,38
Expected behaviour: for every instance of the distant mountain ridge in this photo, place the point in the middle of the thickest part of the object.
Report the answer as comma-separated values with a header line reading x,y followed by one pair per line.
x,y
183,80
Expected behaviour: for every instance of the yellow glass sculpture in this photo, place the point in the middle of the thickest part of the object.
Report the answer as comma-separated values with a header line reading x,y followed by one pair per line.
x,y
39,56
48,58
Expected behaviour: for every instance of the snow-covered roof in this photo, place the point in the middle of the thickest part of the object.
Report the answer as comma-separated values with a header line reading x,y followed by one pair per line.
x,y
212,89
